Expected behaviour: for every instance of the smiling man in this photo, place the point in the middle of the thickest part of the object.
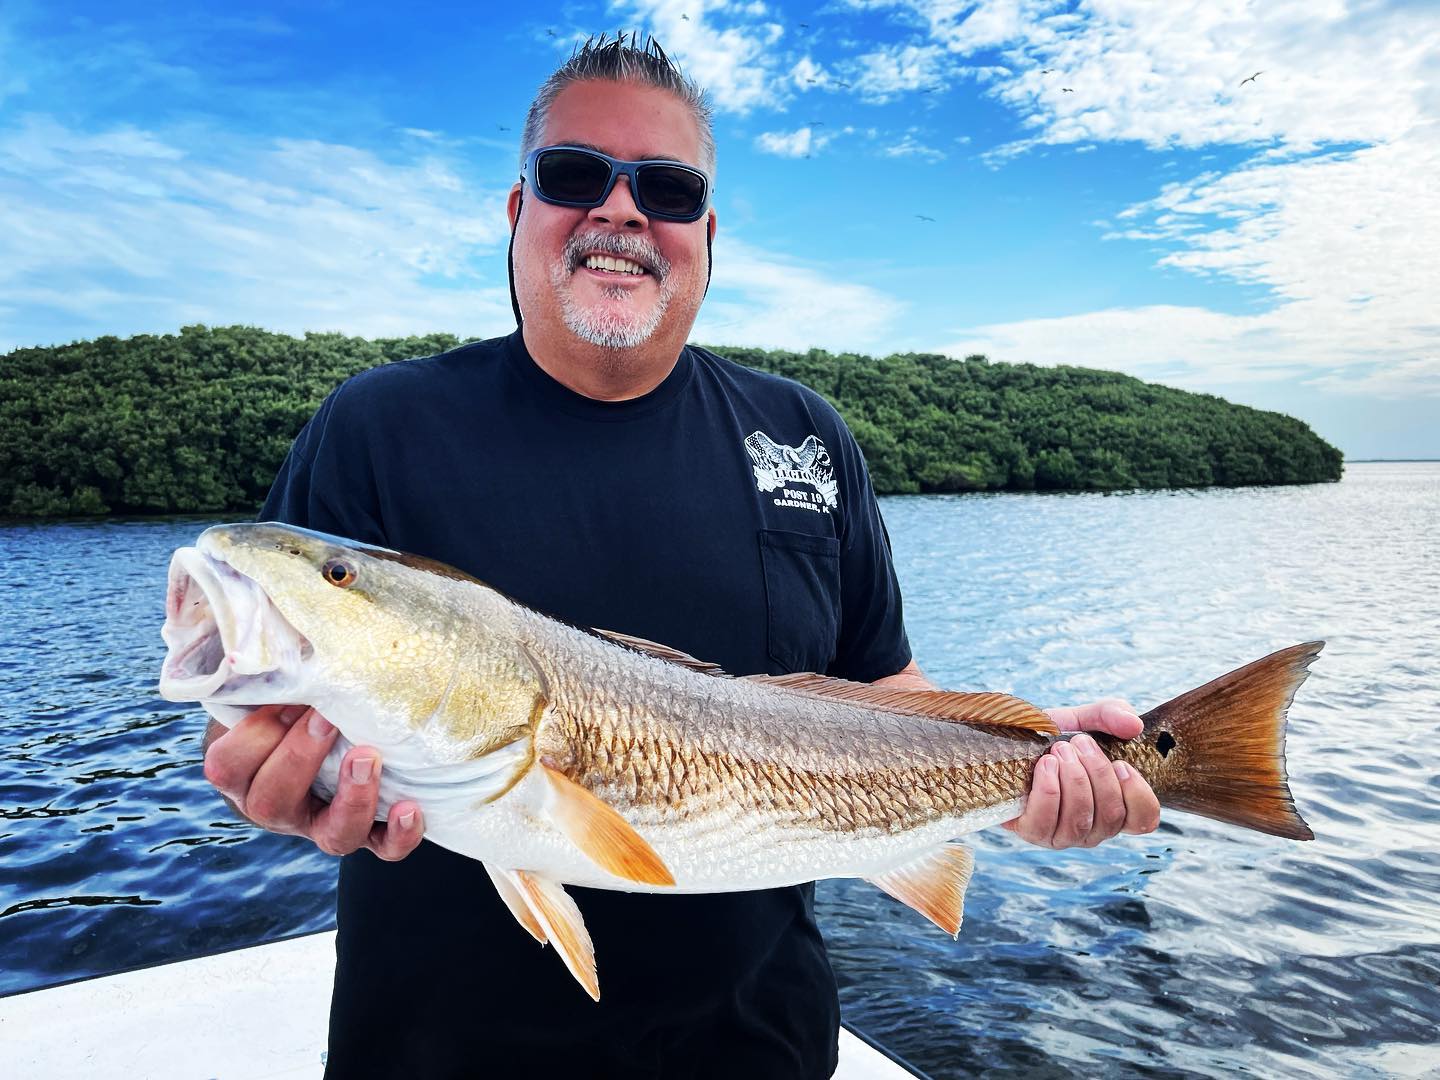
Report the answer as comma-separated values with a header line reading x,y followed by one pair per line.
x,y
595,466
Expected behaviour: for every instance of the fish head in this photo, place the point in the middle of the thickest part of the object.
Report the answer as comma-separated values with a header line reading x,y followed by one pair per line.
x,y
262,613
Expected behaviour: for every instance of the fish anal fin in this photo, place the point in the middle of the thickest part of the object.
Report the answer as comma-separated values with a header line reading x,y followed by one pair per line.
x,y
933,884
601,833
515,901
562,924
986,709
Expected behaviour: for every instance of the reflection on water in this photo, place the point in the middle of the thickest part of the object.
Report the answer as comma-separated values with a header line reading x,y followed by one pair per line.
x,y
1199,950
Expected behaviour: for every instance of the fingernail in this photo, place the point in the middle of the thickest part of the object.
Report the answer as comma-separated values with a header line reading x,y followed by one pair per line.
x,y
360,769
1122,770
1048,764
407,819
1065,751
1085,744
290,713
319,726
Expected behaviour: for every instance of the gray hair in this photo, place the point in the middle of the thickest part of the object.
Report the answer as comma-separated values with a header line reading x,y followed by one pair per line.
x,y
622,59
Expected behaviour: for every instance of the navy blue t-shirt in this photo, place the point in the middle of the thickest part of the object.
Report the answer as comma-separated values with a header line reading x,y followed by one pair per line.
x,y
727,513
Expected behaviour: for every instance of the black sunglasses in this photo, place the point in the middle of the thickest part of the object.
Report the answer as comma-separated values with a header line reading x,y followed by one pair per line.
x,y
576,176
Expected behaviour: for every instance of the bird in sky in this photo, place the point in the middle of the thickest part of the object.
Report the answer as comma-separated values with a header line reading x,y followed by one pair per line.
x,y
922,217
804,26
1046,71
1066,90
550,31
815,123
502,127
846,85
1251,78
684,16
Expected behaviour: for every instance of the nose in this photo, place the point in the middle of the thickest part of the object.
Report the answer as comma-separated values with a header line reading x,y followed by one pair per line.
x,y
619,207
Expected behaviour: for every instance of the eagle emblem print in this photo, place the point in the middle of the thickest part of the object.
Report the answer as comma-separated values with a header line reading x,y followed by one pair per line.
x,y
777,467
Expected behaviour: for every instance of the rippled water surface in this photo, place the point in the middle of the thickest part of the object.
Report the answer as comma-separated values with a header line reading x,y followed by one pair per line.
x,y
1199,950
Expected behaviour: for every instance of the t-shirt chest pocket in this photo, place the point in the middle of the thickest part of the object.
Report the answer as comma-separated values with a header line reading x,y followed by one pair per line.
x,y
802,598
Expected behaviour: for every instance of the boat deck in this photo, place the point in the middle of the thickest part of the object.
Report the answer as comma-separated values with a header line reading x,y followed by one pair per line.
x,y
248,1014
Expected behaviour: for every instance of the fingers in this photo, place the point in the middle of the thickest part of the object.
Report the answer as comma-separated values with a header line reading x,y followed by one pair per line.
x,y
1079,797
1142,808
1107,800
401,835
1114,716
233,760
343,825
1036,825
279,798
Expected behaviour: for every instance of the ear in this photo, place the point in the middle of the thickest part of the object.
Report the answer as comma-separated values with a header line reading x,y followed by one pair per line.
x,y
512,206
711,226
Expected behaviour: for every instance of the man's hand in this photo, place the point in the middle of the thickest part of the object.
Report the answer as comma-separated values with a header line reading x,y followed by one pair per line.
x,y
264,767
1079,797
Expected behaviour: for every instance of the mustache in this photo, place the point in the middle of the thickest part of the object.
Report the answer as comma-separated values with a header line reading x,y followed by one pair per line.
x,y
618,244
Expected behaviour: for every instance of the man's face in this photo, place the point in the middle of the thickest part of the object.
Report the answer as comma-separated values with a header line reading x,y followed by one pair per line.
x,y
610,308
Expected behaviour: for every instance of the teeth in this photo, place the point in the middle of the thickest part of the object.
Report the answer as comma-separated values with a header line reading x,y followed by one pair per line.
x,y
619,266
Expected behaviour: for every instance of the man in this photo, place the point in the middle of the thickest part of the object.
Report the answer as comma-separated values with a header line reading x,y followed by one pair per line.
x,y
594,466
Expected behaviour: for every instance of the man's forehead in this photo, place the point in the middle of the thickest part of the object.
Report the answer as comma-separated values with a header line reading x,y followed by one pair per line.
x,y
624,120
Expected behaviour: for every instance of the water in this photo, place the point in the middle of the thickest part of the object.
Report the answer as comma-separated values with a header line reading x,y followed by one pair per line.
x,y
1201,950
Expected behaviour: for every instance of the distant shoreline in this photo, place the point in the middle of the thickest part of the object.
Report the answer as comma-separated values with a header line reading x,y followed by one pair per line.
x,y
1387,460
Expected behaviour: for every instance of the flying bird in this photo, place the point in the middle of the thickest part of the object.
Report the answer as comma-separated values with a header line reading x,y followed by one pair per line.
x,y
1251,78
1066,90
684,16
922,217
846,85
550,32
815,123
1046,71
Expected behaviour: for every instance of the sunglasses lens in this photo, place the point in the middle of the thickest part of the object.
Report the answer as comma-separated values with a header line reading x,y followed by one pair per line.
x,y
571,176
667,190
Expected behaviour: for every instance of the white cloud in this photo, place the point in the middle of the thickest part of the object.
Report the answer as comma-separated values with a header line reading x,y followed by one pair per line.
x,y
124,231
772,301
884,73
801,142
1336,213
737,64
909,146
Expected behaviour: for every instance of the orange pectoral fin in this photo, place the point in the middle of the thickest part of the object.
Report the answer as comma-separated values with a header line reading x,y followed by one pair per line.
x,y
934,885
562,924
602,834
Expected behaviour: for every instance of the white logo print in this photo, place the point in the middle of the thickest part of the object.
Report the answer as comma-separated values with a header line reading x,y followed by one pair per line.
x,y
777,465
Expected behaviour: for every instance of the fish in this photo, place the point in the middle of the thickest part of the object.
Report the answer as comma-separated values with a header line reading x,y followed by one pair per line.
x,y
562,755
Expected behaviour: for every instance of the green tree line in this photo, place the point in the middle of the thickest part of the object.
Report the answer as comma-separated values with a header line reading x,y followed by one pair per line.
x,y
199,421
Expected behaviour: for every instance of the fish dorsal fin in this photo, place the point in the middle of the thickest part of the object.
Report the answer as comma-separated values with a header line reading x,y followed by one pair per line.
x,y
510,893
562,924
663,652
934,884
601,833
984,709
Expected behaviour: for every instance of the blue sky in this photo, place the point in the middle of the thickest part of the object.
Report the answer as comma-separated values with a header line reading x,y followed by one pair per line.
x,y
328,166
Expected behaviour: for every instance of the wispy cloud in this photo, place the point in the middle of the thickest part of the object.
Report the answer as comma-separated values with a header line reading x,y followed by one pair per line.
x,y
728,49
769,300
910,146
802,142
126,230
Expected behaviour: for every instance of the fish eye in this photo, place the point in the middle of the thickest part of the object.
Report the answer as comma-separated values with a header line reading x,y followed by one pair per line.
x,y
338,572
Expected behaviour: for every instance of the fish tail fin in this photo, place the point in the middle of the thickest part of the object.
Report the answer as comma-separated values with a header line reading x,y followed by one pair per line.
x,y
1219,750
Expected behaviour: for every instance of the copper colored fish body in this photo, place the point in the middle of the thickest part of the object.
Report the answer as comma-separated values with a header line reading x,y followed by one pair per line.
x,y
560,755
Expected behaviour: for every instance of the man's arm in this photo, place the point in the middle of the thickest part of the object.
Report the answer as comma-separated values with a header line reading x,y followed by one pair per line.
x,y
1079,797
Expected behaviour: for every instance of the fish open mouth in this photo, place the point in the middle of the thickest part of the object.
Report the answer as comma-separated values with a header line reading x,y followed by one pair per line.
x,y
226,639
